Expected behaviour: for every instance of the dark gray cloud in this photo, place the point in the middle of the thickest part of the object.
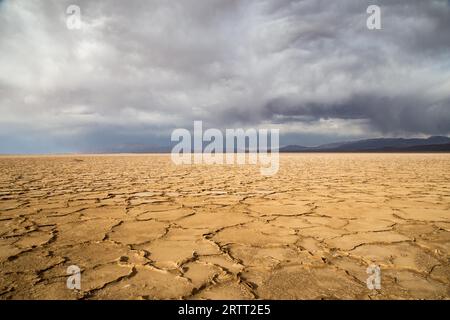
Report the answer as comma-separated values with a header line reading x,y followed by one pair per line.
x,y
137,69
388,115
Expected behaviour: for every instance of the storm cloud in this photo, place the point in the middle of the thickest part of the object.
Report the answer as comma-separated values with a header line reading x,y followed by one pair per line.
x,y
138,69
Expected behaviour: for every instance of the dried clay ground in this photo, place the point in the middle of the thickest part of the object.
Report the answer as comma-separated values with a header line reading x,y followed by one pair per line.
x,y
140,227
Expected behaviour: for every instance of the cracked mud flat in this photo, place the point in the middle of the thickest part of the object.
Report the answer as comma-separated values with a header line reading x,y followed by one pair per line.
x,y
140,227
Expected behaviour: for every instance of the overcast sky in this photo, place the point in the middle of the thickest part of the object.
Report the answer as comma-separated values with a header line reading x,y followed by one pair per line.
x,y
138,69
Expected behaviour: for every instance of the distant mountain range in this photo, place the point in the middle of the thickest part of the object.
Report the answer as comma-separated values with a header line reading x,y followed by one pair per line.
x,y
431,144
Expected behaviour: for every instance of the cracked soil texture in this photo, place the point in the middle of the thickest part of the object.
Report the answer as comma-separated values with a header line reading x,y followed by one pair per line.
x,y
140,227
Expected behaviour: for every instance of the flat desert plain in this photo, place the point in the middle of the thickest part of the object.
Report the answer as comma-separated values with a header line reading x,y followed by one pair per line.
x,y
140,227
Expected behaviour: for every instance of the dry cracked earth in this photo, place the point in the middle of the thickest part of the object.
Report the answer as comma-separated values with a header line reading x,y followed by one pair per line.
x,y
140,227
